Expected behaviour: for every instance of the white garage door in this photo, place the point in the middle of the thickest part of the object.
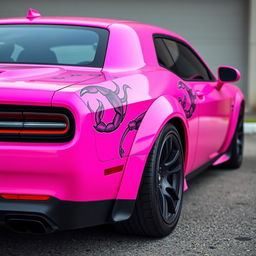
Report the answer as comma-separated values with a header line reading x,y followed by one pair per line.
x,y
216,28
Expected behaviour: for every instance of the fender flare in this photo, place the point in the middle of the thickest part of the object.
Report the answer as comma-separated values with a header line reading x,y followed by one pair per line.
x,y
237,104
162,110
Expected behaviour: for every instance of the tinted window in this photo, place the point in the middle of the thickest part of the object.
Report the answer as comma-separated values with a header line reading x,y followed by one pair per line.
x,y
163,56
186,64
53,44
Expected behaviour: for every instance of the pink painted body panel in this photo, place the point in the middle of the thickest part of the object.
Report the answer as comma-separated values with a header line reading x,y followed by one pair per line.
x,y
74,170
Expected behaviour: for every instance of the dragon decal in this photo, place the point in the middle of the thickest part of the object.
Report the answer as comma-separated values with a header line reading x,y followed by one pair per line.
x,y
188,112
133,125
119,106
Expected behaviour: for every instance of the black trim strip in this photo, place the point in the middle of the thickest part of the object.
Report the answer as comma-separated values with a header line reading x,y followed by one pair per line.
x,y
203,167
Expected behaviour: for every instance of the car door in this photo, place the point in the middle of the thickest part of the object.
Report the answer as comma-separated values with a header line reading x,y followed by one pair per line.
x,y
166,61
212,105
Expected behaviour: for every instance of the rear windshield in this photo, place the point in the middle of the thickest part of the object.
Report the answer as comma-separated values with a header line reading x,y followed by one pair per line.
x,y
53,44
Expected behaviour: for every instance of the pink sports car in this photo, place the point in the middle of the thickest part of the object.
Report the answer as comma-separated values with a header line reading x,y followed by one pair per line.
x,y
103,121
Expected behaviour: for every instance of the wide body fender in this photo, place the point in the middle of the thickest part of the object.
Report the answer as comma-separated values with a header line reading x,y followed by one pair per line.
x,y
157,116
237,104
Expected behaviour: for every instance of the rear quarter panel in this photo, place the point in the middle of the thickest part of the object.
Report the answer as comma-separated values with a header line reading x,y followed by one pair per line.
x,y
154,93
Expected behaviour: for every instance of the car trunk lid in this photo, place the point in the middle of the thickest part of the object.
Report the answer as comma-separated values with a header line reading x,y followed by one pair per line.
x,y
36,85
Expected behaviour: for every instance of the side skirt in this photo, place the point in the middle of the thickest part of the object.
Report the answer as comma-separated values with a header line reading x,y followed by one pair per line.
x,y
203,167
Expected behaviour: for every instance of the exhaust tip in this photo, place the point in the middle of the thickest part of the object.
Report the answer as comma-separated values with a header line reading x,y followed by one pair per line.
x,y
23,224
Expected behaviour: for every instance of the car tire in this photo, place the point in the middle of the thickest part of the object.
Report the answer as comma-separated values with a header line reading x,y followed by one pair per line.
x,y
236,148
158,205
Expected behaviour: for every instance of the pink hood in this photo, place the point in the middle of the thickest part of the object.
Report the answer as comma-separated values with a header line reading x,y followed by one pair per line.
x,y
36,85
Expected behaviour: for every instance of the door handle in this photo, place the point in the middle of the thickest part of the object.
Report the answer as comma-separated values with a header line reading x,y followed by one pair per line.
x,y
200,94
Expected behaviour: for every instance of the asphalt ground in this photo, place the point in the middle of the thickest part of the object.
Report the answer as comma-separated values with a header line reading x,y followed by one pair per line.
x,y
218,218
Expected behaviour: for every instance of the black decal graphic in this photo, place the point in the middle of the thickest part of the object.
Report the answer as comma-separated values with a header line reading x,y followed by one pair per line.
x,y
119,105
133,125
189,112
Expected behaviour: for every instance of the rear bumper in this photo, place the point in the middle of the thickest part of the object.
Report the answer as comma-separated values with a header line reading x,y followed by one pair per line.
x,y
55,214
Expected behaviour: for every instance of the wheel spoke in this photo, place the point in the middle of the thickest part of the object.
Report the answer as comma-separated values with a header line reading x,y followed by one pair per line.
x,y
173,160
173,192
171,203
167,150
164,205
170,189
169,177
170,194
169,200
174,170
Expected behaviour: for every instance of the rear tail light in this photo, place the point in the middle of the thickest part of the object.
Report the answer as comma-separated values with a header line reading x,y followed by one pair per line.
x,y
25,197
39,123
36,124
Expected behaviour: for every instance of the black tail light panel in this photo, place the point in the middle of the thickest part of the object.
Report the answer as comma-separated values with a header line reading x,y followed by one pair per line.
x,y
36,124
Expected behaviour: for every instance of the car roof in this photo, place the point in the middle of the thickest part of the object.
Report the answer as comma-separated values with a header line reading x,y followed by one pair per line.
x,y
87,21
135,38
60,20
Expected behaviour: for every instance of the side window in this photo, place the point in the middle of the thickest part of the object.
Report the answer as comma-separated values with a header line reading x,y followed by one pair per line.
x,y
163,56
186,64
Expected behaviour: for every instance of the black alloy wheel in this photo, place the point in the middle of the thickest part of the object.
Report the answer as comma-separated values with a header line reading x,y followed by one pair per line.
x,y
236,148
170,177
158,205
240,137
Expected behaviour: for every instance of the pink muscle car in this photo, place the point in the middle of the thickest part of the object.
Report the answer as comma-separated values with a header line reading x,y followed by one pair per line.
x,y
103,121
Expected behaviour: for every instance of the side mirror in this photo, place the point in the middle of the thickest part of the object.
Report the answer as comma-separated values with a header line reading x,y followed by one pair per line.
x,y
227,74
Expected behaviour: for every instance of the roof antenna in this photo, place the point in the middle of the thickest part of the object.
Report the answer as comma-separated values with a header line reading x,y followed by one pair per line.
x,y
32,14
